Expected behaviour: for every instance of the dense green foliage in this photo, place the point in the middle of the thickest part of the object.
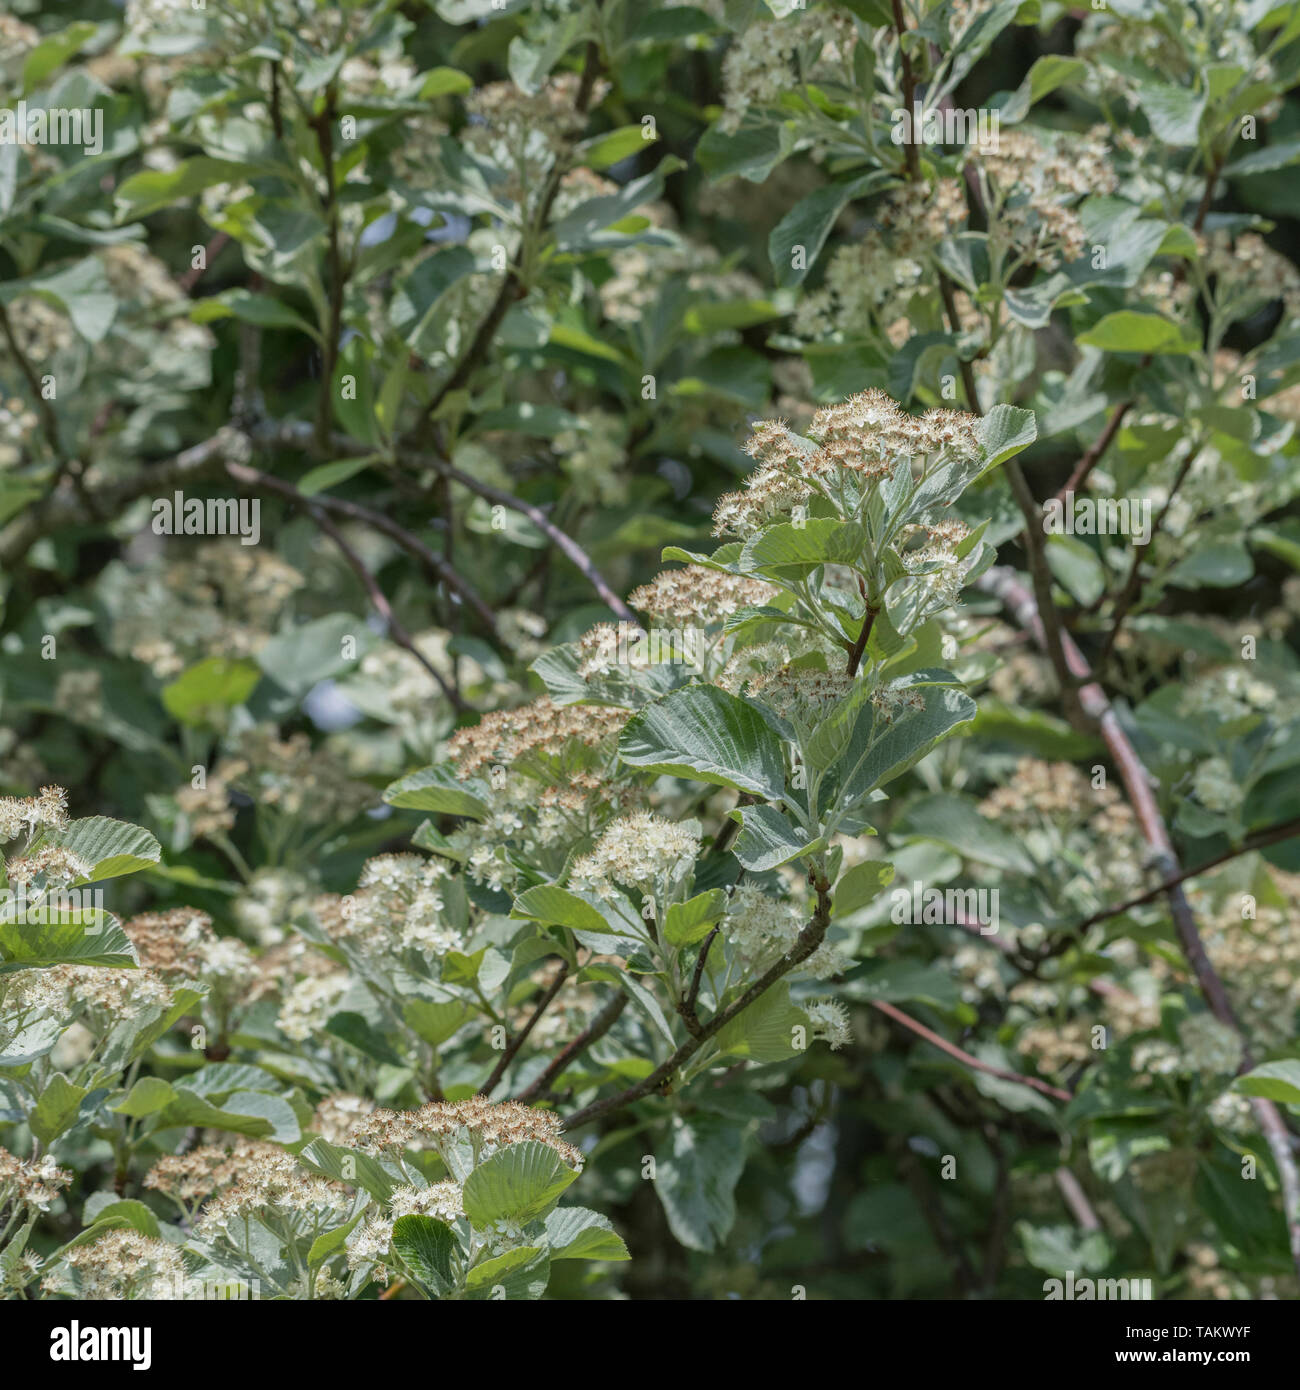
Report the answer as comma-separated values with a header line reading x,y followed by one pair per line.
x,y
623,624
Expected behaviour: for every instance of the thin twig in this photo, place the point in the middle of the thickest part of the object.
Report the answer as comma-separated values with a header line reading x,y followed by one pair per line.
x,y
1261,840
1076,1199
356,511
855,655
806,943
1092,457
49,421
521,1036
380,601
599,1026
689,1017
572,550
921,1031
1133,584
324,125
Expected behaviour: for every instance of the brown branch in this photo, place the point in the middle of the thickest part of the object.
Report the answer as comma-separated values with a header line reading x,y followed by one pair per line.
x,y
906,1021
909,91
356,511
855,654
1076,1199
64,509
193,275
49,421
689,1017
1132,589
324,127
1092,457
1041,575
599,1026
572,550
806,943
379,600
1004,584
1260,840
521,1036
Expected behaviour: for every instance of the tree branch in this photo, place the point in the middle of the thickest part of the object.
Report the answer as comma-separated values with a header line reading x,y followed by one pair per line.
x,y
806,943
379,600
599,1026
521,1036
689,1017
1287,830
356,511
1133,585
1006,587
572,550
921,1031
49,422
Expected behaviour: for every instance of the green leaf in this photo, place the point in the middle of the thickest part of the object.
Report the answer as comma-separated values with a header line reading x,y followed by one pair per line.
x,y
106,1212
1174,112
689,922
112,847
645,1000
752,152
807,225
1130,331
767,1030
696,1179
716,316
56,1109
861,886
251,1113
328,475
768,839
426,1247
1059,1249
437,789
574,1233
205,691
155,189
1279,1081
819,541
300,657
877,757
702,733
1223,566
1004,432
613,147
262,309
898,981
353,392
53,51
441,82
550,904
74,939
516,1276
435,1022
149,1095
520,1183
326,1245
81,289
1049,72
955,822
415,312
347,1165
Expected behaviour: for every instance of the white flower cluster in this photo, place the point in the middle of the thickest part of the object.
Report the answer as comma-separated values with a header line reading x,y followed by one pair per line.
x,y
642,851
